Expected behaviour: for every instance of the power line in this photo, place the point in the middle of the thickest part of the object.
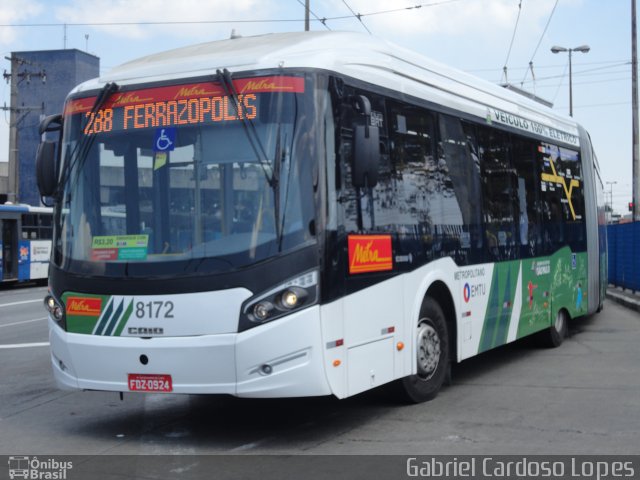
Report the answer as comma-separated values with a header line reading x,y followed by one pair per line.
x,y
539,67
564,72
582,73
357,15
206,22
323,20
596,105
414,7
513,37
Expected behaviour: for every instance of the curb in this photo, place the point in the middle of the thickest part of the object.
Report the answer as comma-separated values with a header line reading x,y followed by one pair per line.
x,y
626,299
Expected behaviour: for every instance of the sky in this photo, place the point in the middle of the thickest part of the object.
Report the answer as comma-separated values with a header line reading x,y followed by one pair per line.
x,y
480,37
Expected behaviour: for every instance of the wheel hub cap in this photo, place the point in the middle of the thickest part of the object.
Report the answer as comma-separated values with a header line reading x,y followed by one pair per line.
x,y
428,350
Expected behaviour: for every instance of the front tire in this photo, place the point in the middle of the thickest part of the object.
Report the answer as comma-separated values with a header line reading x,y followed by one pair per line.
x,y
432,355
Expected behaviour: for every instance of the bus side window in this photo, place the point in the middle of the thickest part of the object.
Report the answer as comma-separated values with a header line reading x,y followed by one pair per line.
x,y
551,194
499,196
528,208
366,209
418,181
464,178
562,200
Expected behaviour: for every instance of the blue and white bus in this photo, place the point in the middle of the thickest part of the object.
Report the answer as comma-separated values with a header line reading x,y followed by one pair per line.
x,y
309,214
25,242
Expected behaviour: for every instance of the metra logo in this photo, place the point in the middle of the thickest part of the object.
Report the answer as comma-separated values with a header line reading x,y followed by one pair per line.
x,y
128,98
82,306
264,85
370,253
193,91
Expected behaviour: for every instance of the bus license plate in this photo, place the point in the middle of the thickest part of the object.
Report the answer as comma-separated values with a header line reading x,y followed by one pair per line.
x,y
141,382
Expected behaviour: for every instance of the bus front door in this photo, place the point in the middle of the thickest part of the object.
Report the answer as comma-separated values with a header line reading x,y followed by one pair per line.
x,y
9,250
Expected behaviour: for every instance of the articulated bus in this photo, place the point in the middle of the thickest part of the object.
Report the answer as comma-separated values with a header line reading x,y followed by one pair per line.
x,y
25,242
307,214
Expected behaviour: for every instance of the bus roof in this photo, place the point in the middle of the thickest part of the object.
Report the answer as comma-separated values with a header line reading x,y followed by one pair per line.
x,y
357,55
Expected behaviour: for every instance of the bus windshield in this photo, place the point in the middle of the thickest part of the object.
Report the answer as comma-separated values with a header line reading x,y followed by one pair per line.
x,y
184,179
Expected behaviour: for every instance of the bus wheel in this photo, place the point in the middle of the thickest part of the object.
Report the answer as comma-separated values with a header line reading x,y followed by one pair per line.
x,y
556,333
432,355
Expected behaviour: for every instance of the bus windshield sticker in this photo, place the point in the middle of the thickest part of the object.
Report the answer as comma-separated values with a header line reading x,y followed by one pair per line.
x,y
160,160
119,247
164,140
370,253
176,105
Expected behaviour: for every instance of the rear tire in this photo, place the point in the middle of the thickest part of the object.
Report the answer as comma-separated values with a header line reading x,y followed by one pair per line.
x,y
555,335
432,356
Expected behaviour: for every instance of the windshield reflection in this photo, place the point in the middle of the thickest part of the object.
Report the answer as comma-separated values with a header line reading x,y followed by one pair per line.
x,y
191,198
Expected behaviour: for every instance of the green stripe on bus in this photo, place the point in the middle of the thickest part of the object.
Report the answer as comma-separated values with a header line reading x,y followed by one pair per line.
x,y
104,319
114,319
125,319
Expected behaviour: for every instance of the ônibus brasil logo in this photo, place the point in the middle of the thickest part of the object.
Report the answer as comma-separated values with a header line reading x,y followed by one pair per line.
x,y
36,469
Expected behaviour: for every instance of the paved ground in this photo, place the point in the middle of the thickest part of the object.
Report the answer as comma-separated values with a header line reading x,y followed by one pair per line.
x,y
582,398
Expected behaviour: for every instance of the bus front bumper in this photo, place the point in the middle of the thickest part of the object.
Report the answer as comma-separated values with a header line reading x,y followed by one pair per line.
x,y
278,359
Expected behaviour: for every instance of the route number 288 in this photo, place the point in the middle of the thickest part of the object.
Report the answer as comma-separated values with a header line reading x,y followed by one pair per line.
x,y
98,122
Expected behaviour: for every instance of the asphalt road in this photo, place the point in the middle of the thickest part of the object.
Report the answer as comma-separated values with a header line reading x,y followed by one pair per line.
x,y
581,398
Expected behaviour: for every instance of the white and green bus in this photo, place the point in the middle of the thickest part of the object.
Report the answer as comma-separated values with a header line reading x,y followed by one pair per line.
x,y
309,214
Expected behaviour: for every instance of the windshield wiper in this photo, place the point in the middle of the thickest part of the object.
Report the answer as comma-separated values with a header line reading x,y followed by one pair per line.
x,y
82,148
271,173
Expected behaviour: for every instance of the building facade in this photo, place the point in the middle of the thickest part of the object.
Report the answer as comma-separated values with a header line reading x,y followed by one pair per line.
x,y
42,81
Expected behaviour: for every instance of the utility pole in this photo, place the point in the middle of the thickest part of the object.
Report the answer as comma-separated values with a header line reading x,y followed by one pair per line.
x,y
634,123
16,115
306,15
14,171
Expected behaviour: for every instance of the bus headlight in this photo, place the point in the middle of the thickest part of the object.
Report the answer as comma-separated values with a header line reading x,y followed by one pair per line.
x,y
297,293
262,310
292,297
55,308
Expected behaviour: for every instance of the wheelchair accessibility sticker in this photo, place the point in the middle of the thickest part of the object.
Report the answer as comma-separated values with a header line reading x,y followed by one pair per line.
x,y
165,140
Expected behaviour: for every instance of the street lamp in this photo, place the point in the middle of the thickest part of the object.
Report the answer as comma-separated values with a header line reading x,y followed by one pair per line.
x,y
581,48
611,184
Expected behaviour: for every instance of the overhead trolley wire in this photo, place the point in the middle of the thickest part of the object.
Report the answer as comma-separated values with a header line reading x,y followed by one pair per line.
x,y
539,42
357,15
513,37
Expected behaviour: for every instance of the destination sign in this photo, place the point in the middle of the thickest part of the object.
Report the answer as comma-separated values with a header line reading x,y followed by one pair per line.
x,y
521,123
175,105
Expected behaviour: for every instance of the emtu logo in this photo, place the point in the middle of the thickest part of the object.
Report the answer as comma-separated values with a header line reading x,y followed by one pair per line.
x,y
473,291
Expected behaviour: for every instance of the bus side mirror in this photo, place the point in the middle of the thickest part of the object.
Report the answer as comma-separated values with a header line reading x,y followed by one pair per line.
x,y
52,123
366,148
46,168
366,155
46,162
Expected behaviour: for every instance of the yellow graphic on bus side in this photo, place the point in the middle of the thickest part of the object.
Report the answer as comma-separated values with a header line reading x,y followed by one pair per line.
x,y
555,178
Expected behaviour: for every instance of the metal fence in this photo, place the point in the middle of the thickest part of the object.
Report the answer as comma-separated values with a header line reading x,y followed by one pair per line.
x,y
624,255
